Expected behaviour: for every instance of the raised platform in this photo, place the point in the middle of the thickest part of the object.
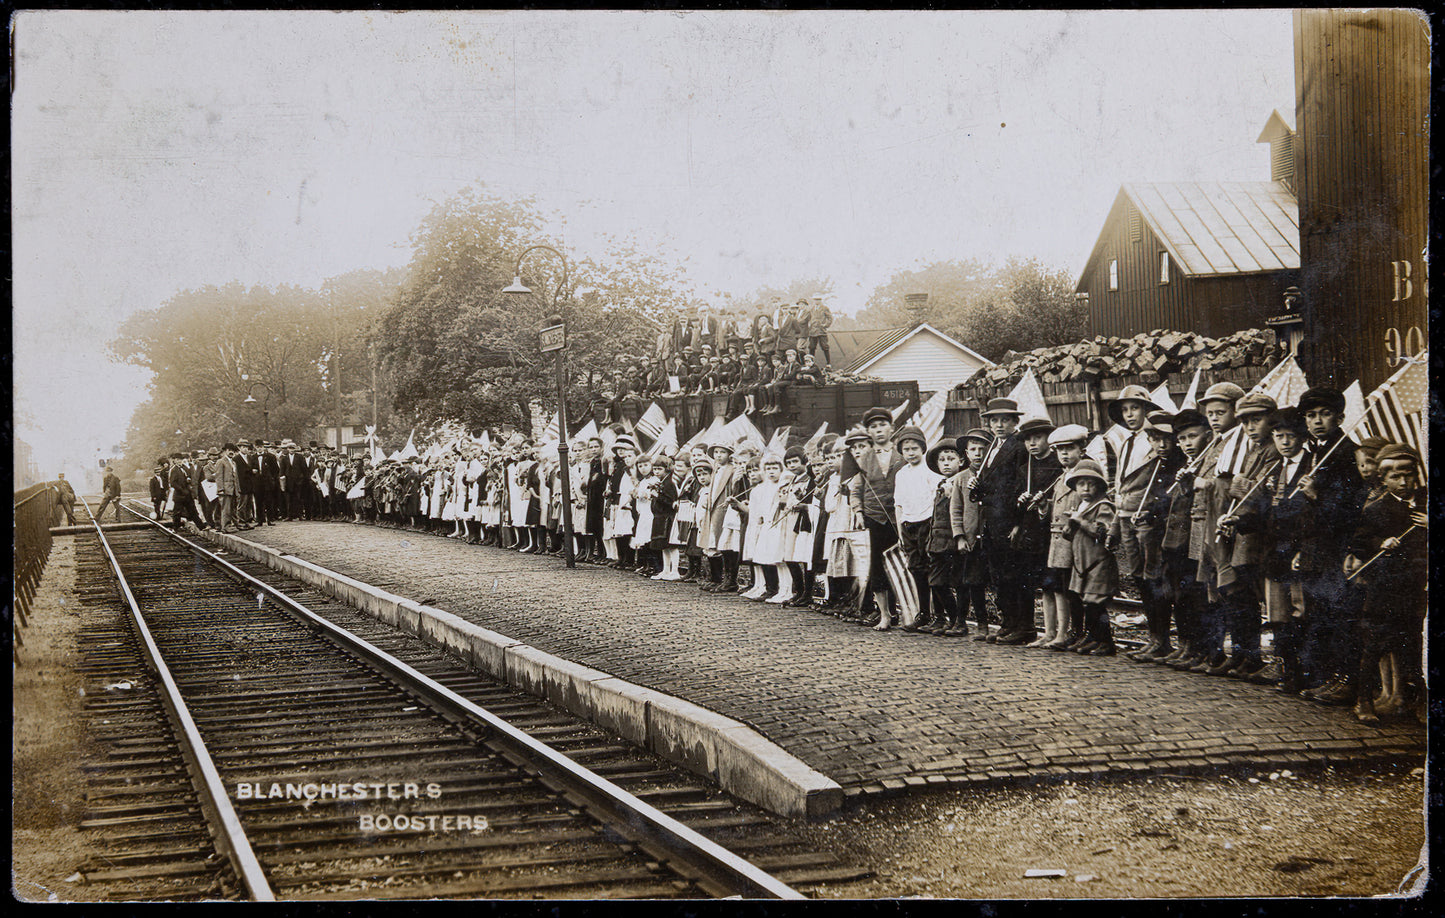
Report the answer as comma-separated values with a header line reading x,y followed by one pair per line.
x,y
873,711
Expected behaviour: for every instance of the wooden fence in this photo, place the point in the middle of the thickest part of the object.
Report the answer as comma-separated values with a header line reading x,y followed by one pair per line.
x,y
1084,401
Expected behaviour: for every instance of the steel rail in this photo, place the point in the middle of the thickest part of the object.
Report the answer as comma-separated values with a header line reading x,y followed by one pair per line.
x,y
225,826
714,868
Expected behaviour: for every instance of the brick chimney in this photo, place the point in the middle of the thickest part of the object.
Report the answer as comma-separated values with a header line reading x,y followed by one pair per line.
x,y
917,304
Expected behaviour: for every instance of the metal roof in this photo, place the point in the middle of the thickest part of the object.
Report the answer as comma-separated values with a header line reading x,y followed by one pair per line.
x,y
1222,227
876,342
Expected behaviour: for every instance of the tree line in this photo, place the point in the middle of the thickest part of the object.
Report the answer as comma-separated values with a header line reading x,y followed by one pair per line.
x,y
439,341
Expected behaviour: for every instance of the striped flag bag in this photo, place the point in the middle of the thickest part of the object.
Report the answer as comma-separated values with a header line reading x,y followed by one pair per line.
x,y
900,578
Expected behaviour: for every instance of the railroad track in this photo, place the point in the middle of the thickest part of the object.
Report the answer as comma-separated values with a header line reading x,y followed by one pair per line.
x,y
272,746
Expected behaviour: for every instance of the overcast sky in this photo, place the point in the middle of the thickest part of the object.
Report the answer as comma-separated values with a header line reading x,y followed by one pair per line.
x,y
153,152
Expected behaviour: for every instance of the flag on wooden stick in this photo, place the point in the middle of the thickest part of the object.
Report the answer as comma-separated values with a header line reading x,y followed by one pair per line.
x,y
666,440
1285,383
703,437
929,418
1030,397
816,438
1396,410
901,410
1161,397
409,451
1354,410
1191,397
652,421
553,430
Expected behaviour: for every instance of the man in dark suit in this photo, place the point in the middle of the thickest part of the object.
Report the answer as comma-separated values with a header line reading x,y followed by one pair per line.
x,y
267,485
996,489
160,483
181,495
707,331
246,472
289,484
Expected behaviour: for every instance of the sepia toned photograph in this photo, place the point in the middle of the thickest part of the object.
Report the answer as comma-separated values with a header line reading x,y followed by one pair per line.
x,y
584,455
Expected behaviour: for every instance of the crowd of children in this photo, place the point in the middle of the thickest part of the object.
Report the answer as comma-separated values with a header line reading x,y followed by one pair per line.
x,y
1221,518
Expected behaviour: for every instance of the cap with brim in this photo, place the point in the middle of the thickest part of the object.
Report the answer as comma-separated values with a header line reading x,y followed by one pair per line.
x,y
910,432
978,433
1289,419
1397,451
702,462
856,435
1087,468
1069,433
1373,444
1222,392
1159,426
1254,403
932,457
1002,407
1323,397
877,414
624,441
727,447
1130,394
1034,426
1187,418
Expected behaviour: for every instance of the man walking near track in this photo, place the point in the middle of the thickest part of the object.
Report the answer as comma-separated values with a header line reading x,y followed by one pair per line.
x,y
224,473
65,497
110,488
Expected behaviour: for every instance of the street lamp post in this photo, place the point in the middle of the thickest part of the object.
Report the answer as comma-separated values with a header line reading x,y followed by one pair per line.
x,y
554,338
265,406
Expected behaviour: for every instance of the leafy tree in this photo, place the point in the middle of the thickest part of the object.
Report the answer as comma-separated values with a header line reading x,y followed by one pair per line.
x,y
1018,306
459,349
209,348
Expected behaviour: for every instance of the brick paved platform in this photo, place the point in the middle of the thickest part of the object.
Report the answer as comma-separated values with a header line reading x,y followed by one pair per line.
x,y
874,711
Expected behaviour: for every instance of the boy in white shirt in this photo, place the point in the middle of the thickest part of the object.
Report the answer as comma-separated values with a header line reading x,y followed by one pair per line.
x,y
913,493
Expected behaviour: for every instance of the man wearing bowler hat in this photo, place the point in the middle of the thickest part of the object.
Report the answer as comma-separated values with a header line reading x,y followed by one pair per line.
x,y
997,488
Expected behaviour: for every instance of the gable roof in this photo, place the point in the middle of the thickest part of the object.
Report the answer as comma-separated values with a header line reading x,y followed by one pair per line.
x,y
1215,228
849,345
888,343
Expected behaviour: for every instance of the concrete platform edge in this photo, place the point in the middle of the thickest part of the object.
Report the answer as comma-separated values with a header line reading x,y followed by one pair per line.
x,y
735,756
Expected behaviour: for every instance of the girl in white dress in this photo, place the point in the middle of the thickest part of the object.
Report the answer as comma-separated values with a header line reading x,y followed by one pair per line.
x,y
647,483
765,530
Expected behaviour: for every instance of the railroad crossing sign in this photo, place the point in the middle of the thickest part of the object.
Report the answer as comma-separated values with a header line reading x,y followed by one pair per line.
x,y
554,338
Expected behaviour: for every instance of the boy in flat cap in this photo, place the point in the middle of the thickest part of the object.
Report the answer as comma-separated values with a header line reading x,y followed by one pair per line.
x,y
944,459
873,473
1244,591
1063,616
997,488
1336,495
1284,520
1209,476
1389,551
1149,520
966,523
1179,587
1030,536
914,488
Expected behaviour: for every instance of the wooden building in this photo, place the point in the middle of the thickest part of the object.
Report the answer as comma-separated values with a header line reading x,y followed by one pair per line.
x,y
1208,257
919,352
1362,85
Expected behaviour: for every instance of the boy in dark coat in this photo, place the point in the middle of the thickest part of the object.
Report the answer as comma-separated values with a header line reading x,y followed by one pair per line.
x,y
1390,553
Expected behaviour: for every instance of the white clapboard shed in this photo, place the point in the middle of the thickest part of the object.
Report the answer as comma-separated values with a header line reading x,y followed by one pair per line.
x,y
921,353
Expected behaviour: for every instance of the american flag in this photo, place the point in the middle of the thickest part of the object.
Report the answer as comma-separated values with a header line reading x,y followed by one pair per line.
x,y
1285,383
929,418
666,438
1396,410
652,421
